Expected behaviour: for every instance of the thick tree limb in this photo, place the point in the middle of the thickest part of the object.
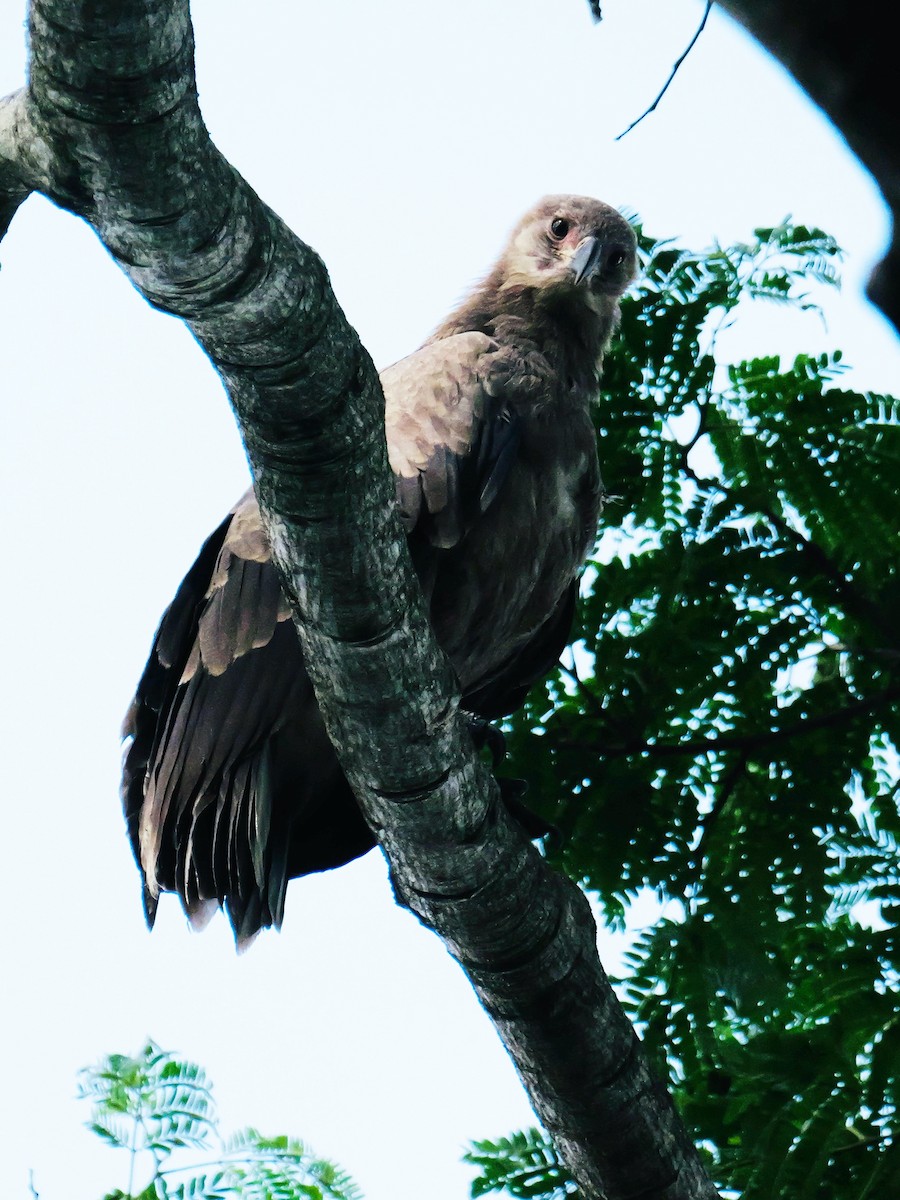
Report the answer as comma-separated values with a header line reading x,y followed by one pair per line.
x,y
13,189
839,54
110,129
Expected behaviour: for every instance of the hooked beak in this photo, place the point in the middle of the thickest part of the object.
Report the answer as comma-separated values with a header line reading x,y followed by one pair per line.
x,y
586,259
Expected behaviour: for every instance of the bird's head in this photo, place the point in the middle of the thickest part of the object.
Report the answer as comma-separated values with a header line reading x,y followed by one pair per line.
x,y
571,247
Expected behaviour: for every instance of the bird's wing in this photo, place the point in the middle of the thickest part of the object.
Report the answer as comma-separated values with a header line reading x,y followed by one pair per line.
x,y
507,688
224,677
451,436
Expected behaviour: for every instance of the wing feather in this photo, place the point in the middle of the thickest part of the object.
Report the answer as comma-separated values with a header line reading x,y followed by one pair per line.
x,y
451,441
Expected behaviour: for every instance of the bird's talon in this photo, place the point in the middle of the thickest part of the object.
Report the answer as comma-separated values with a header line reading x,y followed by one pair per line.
x,y
488,736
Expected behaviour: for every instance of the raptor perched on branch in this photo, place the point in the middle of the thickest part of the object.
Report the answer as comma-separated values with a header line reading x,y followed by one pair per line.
x,y
230,785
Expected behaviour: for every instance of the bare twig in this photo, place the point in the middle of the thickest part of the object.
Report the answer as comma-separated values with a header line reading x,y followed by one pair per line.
x,y
590,698
672,74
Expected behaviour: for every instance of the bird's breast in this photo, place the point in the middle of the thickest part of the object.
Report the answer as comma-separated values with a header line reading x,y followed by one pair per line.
x,y
495,590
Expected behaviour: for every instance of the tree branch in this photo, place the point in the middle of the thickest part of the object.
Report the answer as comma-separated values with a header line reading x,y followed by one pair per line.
x,y
13,172
756,740
110,128
672,73
846,64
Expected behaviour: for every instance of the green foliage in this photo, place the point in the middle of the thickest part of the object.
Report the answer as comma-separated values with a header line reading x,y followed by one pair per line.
x,y
524,1164
725,733
155,1106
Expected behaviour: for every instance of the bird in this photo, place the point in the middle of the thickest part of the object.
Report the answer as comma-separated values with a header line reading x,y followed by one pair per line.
x,y
230,786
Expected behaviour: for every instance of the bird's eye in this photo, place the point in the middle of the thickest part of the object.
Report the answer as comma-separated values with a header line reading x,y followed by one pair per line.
x,y
559,227
616,258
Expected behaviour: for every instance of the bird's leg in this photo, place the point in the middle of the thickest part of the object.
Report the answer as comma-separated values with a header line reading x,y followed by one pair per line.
x,y
487,736
511,793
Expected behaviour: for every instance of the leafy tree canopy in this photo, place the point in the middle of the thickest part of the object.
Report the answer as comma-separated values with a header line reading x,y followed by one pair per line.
x,y
725,732
155,1106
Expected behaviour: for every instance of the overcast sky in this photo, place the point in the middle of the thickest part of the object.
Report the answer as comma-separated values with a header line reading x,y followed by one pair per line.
x,y
402,140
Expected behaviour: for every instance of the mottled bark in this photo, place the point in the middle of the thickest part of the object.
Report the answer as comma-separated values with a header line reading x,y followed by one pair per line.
x,y
843,57
13,188
110,129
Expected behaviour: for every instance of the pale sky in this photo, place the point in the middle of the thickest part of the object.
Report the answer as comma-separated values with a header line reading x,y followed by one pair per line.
x,y
402,140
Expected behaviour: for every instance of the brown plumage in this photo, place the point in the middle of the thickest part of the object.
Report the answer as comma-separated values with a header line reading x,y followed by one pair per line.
x,y
230,785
